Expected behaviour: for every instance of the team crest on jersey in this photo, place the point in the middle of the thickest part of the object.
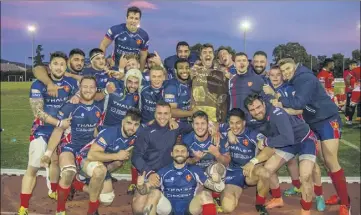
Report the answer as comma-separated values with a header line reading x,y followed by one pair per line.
x,y
139,42
334,125
250,83
189,177
97,114
136,98
66,88
245,142
131,142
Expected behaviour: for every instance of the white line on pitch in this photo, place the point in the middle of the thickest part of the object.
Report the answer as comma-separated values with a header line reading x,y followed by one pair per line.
x,y
350,145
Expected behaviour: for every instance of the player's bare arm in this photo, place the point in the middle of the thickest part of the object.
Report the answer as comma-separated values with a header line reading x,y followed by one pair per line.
x,y
178,113
97,153
224,159
143,59
142,187
104,44
38,111
76,77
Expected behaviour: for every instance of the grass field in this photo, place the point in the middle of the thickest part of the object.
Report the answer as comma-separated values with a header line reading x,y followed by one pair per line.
x,y
16,119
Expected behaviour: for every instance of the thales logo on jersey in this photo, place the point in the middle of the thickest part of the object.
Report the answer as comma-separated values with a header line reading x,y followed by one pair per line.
x,y
169,180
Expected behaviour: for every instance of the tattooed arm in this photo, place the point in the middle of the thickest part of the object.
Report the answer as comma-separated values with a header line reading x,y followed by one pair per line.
x,y
37,106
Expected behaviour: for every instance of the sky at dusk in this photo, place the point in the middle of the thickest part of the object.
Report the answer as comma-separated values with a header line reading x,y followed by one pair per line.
x,y
323,28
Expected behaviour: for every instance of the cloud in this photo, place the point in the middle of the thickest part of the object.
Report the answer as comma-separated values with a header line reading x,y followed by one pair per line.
x,y
83,13
13,23
143,5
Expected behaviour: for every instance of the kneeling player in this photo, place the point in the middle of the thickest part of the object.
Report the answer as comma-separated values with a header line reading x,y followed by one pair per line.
x,y
179,184
243,154
111,145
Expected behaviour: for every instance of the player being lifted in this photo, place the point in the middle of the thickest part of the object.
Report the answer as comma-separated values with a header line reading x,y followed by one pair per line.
x,y
97,159
179,192
243,169
85,118
45,109
128,38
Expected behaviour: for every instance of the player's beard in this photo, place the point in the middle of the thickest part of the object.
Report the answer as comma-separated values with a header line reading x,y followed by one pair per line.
x,y
87,99
75,70
182,161
182,79
126,133
57,76
258,70
202,135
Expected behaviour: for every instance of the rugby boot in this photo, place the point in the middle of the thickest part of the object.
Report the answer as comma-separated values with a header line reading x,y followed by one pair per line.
x,y
60,213
217,202
274,203
333,200
53,195
344,210
131,189
305,212
261,209
320,203
23,211
292,191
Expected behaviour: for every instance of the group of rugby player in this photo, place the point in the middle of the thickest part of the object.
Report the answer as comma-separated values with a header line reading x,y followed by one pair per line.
x,y
189,155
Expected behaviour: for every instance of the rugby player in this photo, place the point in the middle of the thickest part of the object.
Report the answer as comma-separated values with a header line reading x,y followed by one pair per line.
x,y
128,38
151,94
45,109
284,89
209,85
245,82
325,76
204,150
85,118
112,145
178,91
259,63
322,116
180,183
243,154
349,110
226,59
183,52
75,65
152,149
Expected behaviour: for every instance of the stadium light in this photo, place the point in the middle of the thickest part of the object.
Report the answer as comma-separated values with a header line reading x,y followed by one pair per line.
x,y
245,26
31,29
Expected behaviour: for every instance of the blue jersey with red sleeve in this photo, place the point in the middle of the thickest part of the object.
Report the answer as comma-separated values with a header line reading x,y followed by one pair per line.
x,y
126,42
179,93
232,69
195,145
117,104
51,104
246,148
85,119
282,129
149,97
179,185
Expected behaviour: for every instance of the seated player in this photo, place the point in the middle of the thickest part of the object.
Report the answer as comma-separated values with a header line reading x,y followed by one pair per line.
x,y
178,91
204,151
95,160
289,136
179,192
85,118
243,154
284,89
45,108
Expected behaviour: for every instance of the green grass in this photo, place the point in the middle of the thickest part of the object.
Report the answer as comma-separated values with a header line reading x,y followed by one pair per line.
x,y
16,119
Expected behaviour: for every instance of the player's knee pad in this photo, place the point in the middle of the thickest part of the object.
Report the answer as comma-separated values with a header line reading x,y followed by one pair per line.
x,y
67,170
216,169
91,166
164,206
107,198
